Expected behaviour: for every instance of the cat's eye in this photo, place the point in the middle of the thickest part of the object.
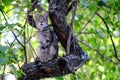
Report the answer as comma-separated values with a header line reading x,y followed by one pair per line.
x,y
48,41
43,47
47,46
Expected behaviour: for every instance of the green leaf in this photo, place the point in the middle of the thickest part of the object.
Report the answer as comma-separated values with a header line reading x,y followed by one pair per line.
x,y
71,77
80,17
7,2
117,23
102,3
95,22
85,4
20,73
2,28
93,43
60,78
13,68
93,7
10,26
3,61
108,32
3,48
2,7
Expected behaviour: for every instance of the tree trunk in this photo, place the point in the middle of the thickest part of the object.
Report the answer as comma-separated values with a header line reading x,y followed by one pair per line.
x,y
59,66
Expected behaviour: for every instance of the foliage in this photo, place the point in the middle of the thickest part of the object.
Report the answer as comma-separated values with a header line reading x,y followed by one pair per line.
x,y
89,28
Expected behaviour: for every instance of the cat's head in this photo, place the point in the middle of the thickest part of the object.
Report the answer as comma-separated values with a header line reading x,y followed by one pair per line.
x,y
41,21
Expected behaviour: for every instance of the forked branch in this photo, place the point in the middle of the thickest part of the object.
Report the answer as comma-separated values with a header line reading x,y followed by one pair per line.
x,y
59,66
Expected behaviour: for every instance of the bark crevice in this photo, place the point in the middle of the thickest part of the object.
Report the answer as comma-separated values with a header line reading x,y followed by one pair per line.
x,y
59,66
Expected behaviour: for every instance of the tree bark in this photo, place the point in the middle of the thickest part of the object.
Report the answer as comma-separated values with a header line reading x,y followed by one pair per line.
x,y
59,66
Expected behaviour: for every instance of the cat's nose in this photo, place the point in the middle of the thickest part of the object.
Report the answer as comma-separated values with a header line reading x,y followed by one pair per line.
x,y
41,23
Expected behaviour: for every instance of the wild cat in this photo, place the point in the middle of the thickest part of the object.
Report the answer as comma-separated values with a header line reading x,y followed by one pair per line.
x,y
48,41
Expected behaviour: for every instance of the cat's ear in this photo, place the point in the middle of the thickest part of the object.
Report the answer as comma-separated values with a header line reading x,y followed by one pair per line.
x,y
46,15
36,16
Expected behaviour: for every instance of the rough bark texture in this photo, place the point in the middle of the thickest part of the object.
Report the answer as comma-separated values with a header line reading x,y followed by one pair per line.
x,y
59,66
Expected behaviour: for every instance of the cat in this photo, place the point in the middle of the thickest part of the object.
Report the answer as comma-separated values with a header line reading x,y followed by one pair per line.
x,y
48,41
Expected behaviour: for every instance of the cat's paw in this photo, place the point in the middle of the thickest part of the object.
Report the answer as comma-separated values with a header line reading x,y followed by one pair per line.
x,y
37,60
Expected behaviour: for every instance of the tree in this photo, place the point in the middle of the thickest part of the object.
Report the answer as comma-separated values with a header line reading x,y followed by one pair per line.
x,y
101,30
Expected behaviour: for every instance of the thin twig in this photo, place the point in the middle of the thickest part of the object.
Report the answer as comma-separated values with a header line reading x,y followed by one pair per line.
x,y
12,43
86,25
115,51
32,49
71,28
4,67
87,33
24,37
17,39
3,15
70,7
0,37
28,41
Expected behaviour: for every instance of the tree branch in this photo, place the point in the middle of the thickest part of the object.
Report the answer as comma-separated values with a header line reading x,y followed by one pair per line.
x,y
59,66
24,37
4,67
17,39
115,51
71,27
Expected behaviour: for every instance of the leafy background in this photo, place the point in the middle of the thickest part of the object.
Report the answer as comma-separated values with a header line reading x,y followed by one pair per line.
x,y
90,30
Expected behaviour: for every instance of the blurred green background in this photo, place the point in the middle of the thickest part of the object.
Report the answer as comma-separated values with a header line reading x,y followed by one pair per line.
x,y
89,27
